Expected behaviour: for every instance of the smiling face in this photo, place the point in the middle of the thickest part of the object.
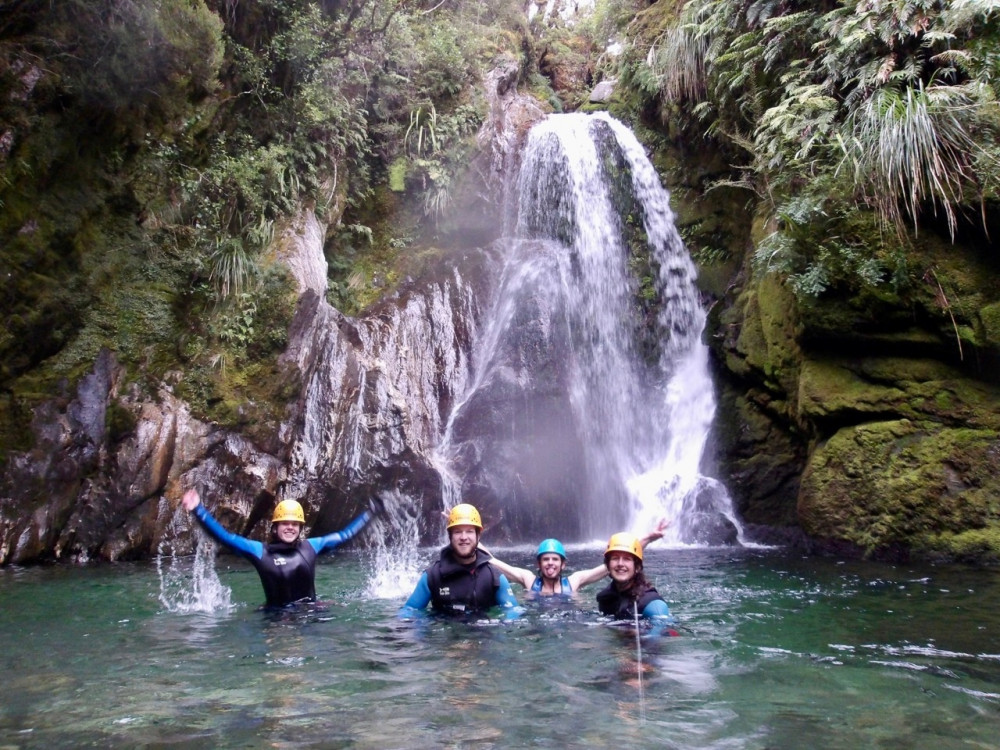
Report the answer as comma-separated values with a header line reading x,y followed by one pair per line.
x,y
622,566
464,540
287,531
550,566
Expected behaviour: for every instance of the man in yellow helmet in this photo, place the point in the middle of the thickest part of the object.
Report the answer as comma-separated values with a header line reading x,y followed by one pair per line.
x,y
628,594
286,564
462,581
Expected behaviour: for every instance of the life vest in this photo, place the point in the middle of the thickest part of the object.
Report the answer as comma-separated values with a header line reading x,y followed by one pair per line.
x,y
462,589
287,572
567,590
611,601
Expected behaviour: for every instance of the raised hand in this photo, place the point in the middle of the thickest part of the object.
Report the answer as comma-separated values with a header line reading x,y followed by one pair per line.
x,y
191,500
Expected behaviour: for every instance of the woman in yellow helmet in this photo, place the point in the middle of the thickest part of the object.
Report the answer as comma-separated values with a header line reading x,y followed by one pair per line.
x,y
287,563
629,594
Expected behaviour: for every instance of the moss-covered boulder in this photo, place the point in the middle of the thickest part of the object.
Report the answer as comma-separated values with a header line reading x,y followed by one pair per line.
x,y
893,486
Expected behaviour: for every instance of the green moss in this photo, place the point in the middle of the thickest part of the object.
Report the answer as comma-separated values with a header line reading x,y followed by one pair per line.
x,y
989,317
397,175
975,545
232,375
652,21
841,389
768,336
15,425
827,388
887,484
119,421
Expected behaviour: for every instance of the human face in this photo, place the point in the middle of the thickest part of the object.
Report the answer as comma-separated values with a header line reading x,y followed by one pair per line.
x,y
550,565
464,540
287,531
622,567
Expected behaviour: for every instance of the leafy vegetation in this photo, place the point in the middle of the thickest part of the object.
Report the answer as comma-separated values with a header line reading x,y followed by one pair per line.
x,y
149,152
834,108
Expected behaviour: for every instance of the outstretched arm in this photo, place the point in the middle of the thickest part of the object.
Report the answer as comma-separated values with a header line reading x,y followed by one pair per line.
x,y
581,578
522,576
192,503
331,541
656,533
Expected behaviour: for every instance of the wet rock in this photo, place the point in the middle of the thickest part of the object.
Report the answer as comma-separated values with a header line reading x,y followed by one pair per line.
x,y
601,93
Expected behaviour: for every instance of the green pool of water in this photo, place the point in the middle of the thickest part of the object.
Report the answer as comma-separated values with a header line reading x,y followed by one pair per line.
x,y
777,651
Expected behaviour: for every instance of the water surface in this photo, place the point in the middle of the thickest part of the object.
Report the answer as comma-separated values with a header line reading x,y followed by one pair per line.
x,y
776,651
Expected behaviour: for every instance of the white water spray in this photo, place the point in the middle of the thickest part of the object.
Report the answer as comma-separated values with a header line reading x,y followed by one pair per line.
x,y
394,559
189,584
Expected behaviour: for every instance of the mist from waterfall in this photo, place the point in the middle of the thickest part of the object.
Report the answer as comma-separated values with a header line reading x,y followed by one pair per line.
x,y
641,412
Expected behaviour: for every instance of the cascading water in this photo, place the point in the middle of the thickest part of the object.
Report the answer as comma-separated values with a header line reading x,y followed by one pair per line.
x,y
601,373
555,379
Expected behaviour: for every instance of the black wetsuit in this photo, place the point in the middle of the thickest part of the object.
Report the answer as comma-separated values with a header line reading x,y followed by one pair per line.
x,y
287,571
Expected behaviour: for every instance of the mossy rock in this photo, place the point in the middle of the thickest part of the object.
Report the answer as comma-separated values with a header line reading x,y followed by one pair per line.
x,y
651,22
975,546
839,391
989,317
767,338
902,484
761,461
829,390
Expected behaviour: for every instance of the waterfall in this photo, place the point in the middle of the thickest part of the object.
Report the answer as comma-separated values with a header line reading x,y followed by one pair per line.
x,y
590,377
555,379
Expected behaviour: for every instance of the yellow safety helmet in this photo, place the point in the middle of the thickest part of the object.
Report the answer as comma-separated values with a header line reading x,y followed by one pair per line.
x,y
464,514
624,542
288,510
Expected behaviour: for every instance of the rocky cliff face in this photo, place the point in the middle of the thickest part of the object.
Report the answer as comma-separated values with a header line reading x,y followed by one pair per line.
x,y
868,424
108,464
373,392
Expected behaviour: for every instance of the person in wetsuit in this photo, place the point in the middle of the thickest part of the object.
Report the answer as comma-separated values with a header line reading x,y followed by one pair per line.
x,y
286,564
629,595
551,557
462,581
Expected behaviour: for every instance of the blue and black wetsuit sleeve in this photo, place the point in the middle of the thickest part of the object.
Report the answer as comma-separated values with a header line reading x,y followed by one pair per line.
x,y
332,541
235,542
506,600
661,621
416,605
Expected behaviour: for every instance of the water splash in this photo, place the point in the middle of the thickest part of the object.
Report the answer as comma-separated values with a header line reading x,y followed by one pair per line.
x,y
394,559
189,583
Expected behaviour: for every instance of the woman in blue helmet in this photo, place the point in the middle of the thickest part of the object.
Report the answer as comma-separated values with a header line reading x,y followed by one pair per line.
x,y
551,557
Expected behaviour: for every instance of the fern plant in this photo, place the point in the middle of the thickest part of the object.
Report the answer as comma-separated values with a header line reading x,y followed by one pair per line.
x,y
894,104
912,146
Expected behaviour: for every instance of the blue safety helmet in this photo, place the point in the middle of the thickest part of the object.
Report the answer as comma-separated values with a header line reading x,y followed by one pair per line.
x,y
551,545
